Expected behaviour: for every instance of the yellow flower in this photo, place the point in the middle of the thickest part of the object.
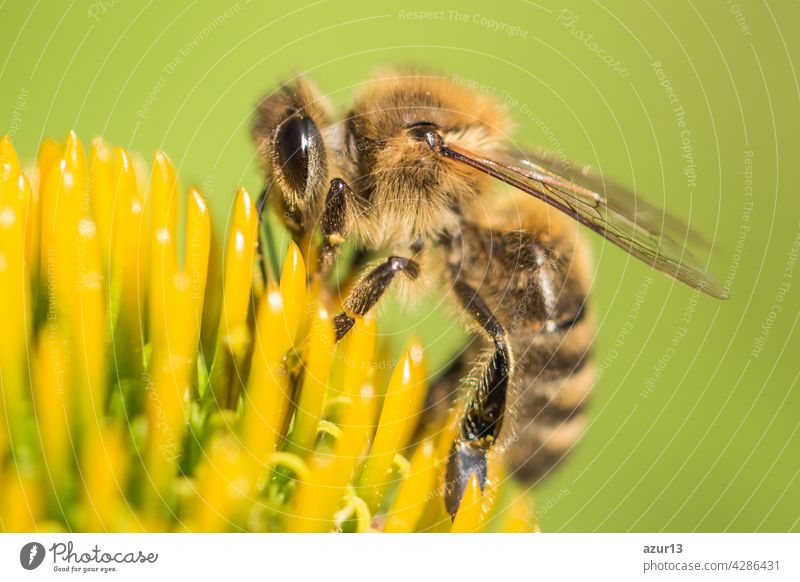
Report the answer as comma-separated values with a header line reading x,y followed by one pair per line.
x,y
125,424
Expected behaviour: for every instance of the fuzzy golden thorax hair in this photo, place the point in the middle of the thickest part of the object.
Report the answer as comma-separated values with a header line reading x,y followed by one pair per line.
x,y
405,191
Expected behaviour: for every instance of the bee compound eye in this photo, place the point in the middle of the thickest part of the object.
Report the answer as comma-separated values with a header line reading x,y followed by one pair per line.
x,y
293,145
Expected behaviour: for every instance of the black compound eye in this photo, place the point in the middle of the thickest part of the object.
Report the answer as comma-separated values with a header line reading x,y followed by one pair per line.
x,y
296,136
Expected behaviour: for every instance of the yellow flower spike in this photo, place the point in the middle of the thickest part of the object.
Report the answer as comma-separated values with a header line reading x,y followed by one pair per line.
x,y
401,405
294,289
52,399
163,192
239,258
50,152
315,380
75,155
415,489
495,479
103,194
221,487
56,251
448,432
233,335
15,296
9,161
468,518
268,392
357,350
309,248
104,469
88,328
130,258
434,515
519,516
20,501
49,155
164,217
318,498
173,367
198,245
59,239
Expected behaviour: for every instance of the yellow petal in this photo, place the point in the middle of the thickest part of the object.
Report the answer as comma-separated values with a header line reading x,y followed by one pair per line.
x,y
316,373
174,361
104,467
468,517
50,152
21,502
198,245
496,479
239,262
15,296
130,242
62,194
267,398
518,517
74,154
9,162
357,351
233,334
401,405
49,155
103,194
163,261
52,398
88,326
173,368
318,497
415,489
222,486
294,289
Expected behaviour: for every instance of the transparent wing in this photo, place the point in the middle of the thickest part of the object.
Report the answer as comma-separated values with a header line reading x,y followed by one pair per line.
x,y
617,214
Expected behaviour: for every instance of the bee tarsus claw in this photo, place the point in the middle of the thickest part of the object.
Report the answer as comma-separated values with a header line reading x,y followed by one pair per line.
x,y
465,460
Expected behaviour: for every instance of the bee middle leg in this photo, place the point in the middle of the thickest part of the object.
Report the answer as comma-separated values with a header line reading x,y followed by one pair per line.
x,y
370,288
485,408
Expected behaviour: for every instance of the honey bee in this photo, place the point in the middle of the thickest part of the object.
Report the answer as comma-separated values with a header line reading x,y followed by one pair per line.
x,y
415,170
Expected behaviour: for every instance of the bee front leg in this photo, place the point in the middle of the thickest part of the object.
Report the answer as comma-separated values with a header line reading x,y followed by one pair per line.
x,y
485,407
334,225
369,289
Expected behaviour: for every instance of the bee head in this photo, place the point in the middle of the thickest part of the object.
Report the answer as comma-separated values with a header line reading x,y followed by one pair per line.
x,y
287,131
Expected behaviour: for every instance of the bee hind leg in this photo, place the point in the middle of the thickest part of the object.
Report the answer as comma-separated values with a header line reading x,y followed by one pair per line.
x,y
485,407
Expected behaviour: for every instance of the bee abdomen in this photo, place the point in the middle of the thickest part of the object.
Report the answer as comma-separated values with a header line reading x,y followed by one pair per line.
x,y
550,392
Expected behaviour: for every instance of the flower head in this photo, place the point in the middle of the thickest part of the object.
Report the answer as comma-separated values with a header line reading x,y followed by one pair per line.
x,y
112,417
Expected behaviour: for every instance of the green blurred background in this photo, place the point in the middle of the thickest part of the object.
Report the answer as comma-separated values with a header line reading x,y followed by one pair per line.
x,y
694,426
